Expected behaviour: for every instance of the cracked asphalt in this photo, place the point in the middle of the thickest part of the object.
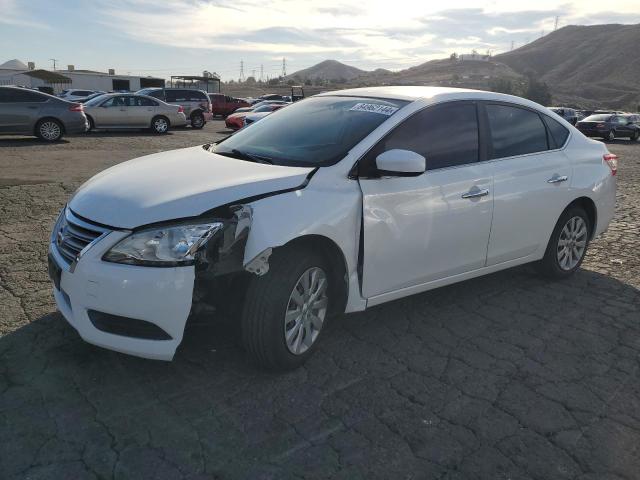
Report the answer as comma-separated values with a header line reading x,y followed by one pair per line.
x,y
508,376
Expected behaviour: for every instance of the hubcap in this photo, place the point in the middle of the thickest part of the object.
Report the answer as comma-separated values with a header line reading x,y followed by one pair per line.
x,y
161,125
572,243
306,310
50,130
197,121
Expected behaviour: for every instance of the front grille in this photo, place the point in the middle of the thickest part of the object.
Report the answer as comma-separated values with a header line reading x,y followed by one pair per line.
x,y
74,234
127,327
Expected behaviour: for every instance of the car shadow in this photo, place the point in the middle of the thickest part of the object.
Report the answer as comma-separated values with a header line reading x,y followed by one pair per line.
x,y
28,142
423,371
126,133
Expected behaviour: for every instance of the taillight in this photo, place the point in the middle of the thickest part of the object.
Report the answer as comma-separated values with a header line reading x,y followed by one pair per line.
x,y
180,109
611,160
76,107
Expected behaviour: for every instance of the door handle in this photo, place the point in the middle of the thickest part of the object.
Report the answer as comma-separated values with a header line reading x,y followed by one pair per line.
x,y
558,179
475,193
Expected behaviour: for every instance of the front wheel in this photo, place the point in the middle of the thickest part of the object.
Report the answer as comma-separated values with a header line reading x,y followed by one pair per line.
x,y
611,136
49,130
285,310
634,137
197,121
567,245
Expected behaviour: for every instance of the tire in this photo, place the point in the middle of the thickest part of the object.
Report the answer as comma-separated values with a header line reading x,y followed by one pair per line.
x,y
160,124
271,296
197,121
49,130
634,137
611,136
556,265
92,124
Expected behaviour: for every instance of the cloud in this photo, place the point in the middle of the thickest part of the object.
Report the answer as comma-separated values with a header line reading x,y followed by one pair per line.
x,y
11,14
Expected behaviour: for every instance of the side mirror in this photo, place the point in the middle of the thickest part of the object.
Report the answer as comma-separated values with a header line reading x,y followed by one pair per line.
x,y
401,163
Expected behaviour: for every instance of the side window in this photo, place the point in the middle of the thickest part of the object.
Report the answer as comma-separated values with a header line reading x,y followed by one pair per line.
x,y
515,131
446,135
621,120
156,94
196,96
109,103
20,95
558,132
145,102
171,96
180,95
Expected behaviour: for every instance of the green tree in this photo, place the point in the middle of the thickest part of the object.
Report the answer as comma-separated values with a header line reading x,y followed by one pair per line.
x,y
502,85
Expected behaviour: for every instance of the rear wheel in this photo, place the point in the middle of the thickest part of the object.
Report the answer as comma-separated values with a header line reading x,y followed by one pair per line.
x,y
611,136
197,121
634,136
49,130
92,124
160,124
285,310
567,245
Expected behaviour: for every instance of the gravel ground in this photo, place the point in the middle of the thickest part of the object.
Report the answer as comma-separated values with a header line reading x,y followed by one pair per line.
x,y
503,377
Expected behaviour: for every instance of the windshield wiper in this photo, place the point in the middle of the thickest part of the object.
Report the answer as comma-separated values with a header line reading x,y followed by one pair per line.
x,y
235,153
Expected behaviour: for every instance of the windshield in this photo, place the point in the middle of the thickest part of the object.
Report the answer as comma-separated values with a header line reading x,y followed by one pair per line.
x,y
597,118
318,131
264,108
94,100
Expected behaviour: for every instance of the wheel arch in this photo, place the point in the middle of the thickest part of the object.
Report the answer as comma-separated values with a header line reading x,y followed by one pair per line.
x,y
589,206
335,260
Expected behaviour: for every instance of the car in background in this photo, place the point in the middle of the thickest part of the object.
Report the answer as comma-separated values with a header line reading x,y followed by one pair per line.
x,y
271,96
93,95
235,121
125,111
196,103
225,105
609,127
74,95
569,114
253,117
29,112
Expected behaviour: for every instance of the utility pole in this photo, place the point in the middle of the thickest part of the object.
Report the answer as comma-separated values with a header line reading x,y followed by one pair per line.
x,y
253,73
241,71
512,44
54,60
261,72
555,26
284,67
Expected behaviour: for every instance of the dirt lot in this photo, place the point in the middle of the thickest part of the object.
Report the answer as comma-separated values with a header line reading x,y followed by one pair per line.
x,y
507,376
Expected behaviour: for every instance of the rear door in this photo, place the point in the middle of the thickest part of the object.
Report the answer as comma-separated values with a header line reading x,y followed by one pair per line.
x,y
424,228
140,111
531,178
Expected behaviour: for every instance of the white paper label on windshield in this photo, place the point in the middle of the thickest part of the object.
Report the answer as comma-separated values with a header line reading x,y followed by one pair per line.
x,y
374,108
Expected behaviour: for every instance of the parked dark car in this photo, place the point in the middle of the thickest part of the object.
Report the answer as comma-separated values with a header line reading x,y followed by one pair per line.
x,y
569,114
609,127
196,103
29,112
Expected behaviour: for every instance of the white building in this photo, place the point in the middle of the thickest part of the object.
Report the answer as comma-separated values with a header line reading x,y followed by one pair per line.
x,y
15,72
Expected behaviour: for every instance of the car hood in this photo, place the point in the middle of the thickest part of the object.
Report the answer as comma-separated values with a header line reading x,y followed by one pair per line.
x,y
177,184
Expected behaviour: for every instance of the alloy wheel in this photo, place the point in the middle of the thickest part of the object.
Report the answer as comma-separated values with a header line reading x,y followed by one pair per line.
x,y
50,130
572,243
306,311
160,125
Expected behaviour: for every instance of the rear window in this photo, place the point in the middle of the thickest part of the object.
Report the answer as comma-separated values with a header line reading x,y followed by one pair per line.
x,y
597,118
19,95
516,131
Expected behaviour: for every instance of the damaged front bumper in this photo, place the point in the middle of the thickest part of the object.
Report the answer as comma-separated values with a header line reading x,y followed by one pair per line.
x,y
141,310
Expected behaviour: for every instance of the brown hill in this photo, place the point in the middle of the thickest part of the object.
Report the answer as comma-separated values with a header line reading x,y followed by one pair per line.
x,y
331,70
595,65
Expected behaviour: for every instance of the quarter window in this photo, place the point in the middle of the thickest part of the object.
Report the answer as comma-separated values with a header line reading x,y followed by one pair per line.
x,y
558,133
446,135
515,131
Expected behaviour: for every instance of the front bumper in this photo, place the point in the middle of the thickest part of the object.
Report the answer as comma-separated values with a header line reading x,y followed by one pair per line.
x,y
160,296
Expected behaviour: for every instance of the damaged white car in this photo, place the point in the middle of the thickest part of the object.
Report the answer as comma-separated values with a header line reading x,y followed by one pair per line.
x,y
334,204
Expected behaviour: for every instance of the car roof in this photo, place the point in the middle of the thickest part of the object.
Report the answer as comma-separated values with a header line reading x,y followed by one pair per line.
x,y
429,94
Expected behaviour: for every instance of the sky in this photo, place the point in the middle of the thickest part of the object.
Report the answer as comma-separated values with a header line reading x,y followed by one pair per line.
x,y
186,37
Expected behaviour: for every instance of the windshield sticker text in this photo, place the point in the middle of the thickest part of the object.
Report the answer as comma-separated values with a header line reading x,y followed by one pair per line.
x,y
374,108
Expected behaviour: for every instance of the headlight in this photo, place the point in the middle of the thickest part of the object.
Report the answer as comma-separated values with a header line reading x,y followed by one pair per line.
x,y
169,246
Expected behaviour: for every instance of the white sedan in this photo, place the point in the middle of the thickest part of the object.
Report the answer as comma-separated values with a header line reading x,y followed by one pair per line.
x,y
339,202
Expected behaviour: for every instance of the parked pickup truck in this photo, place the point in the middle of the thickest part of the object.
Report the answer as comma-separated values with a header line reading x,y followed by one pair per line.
x,y
225,105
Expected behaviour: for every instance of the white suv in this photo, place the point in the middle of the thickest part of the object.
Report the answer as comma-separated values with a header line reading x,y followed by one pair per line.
x,y
336,203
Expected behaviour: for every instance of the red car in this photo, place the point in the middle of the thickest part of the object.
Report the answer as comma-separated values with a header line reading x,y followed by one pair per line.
x,y
225,105
235,121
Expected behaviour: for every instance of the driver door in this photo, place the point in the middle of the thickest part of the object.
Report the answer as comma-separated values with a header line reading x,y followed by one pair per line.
x,y
419,229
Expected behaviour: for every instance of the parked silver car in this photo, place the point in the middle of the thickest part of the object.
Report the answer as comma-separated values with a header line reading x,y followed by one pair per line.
x,y
121,110
75,94
28,112
196,103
